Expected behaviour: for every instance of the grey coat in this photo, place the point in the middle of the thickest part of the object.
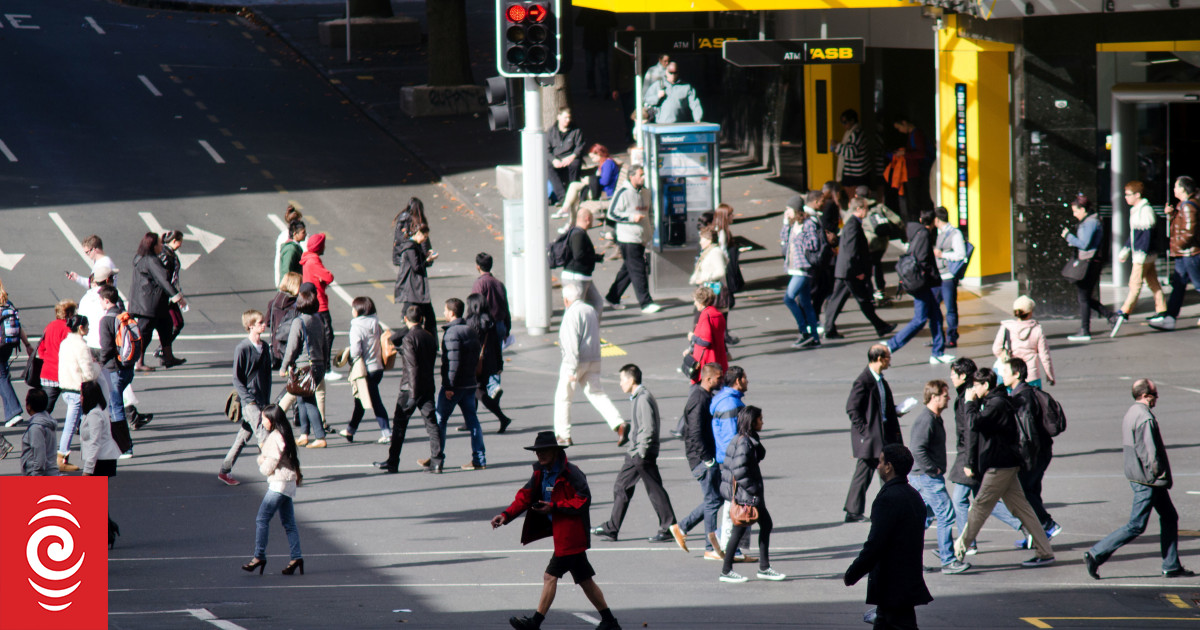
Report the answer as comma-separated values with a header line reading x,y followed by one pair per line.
x,y
151,286
644,424
97,439
306,344
38,447
1145,455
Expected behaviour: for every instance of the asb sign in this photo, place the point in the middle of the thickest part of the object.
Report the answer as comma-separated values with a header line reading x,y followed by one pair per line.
x,y
54,553
789,52
675,42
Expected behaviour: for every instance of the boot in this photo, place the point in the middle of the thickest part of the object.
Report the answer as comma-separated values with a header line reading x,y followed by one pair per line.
x,y
168,358
64,465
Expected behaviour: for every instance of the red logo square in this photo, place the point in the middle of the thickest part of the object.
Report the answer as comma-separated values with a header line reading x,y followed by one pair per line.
x,y
54,553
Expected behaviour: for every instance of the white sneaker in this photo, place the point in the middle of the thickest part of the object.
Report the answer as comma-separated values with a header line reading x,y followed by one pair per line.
x,y
771,574
734,577
651,308
945,358
1080,337
332,376
1165,322
13,421
616,306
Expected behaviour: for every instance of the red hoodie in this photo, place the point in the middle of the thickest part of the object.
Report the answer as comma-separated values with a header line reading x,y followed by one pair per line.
x,y
315,271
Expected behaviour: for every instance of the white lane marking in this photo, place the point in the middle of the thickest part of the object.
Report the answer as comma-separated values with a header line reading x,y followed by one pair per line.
x,y
207,240
199,613
337,288
8,261
7,153
588,618
92,23
438,552
212,152
149,86
198,337
72,239
151,222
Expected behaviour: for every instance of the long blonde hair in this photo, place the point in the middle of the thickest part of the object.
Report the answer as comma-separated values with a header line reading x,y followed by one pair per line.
x,y
3,294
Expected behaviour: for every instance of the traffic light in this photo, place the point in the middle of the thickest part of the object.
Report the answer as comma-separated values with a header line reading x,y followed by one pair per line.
x,y
502,112
527,37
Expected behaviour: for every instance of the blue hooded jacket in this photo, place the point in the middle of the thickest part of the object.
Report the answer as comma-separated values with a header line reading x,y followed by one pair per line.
x,y
724,409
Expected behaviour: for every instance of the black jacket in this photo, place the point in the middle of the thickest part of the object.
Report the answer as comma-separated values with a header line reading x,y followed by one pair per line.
x,y
418,353
697,427
252,373
995,433
741,463
1028,411
963,444
281,310
108,341
412,281
920,245
583,253
460,354
892,553
485,331
873,422
852,258
151,286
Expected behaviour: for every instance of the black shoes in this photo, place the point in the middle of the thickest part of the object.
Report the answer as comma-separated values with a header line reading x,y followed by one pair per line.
x,y
833,334
173,362
384,466
661,537
504,422
1093,565
886,330
257,563
1178,573
462,428
429,466
524,623
298,563
139,420
602,532
855,518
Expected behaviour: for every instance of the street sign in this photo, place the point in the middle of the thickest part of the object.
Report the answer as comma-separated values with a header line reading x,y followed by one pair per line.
x,y
674,42
794,52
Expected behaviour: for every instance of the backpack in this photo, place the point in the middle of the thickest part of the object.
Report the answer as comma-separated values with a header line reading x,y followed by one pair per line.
x,y
959,267
279,335
10,324
911,275
128,338
1054,420
387,349
558,253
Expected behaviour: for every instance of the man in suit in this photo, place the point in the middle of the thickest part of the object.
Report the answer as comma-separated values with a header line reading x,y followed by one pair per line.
x,y
874,423
418,353
850,273
892,553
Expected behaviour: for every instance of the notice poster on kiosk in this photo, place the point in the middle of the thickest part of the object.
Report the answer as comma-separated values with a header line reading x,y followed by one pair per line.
x,y
699,194
684,161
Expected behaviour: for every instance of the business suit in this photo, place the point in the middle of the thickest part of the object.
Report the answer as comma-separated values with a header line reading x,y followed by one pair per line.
x,y
873,425
853,260
892,556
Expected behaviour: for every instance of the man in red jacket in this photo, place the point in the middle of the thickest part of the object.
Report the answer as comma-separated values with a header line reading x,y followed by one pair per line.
x,y
558,499
320,277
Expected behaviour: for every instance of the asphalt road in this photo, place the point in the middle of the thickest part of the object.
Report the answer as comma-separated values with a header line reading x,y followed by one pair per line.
x,y
96,146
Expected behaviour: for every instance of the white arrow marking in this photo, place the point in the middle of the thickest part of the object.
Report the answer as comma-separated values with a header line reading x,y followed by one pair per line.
x,y
187,260
8,261
92,23
149,86
212,152
8,154
207,240
71,238
151,222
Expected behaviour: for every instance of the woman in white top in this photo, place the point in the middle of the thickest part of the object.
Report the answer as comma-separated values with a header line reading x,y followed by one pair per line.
x,y
366,350
281,465
75,367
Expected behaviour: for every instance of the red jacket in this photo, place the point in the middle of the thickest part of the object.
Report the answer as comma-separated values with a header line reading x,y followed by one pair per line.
x,y
315,271
52,338
710,328
571,500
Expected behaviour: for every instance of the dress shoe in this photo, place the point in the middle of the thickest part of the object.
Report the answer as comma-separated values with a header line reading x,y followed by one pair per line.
x,y
661,537
833,334
173,362
622,434
319,443
424,463
1178,573
1093,565
473,466
602,532
504,422
384,466
886,330
854,518
346,434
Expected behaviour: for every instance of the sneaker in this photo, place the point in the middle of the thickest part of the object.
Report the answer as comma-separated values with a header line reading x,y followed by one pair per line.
x,y
1162,322
126,455
608,624
1038,562
717,549
1080,336
1116,320
955,567
972,550
651,308
228,479
1024,543
616,306
833,334
14,421
346,434
740,557
473,466
713,555
385,467
462,428
885,331
680,538
939,360
770,574
733,577
732,340
1054,530
803,341
524,623
6,447
384,439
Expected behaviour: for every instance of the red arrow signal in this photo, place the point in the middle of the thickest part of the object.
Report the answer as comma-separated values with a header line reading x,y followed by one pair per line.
x,y
537,13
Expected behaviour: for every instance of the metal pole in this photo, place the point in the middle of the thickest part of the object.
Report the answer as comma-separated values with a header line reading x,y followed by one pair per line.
x,y
347,31
638,109
937,111
537,220
762,25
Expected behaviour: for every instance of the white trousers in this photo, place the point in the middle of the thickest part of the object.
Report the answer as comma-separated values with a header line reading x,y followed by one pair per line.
x,y
568,383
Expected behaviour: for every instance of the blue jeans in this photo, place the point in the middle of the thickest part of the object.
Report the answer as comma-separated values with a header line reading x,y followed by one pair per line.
x,y
933,491
372,384
74,413
962,504
493,384
310,417
464,399
800,288
12,405
117,382
1146,498
948,294
710,506
276,502
1187,269
925,309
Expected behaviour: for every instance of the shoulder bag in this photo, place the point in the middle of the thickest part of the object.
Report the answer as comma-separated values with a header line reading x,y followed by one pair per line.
x,y
33,368
741,515
301,383
1076,269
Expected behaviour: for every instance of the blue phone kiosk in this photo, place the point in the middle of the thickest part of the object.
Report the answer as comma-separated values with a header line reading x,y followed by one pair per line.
x,y
684,175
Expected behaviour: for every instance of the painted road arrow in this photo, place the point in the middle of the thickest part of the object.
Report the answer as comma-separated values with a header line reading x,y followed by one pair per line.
x,y
8,261
207,240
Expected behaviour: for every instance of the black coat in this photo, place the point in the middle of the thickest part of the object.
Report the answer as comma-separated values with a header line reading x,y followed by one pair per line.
x,y
412,280
583,253
868,434
892,553
852,258
995,432
151,287
962,445
418,353
741,463
460,354
920,245
698,441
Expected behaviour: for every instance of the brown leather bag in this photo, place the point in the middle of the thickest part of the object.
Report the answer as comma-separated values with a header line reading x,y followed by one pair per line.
x,y
741,515
300,382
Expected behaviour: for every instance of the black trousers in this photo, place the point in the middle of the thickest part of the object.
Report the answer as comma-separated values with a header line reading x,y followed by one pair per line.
x,y
1031,484
856,497
560,177
895,618
1085,291
634,470
160,323
635,271
843,288
877,270
428,319
822,288
492,405
405,407
327,320
764,541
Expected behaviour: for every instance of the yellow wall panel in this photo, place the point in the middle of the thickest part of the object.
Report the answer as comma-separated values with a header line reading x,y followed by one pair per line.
x,y
841,93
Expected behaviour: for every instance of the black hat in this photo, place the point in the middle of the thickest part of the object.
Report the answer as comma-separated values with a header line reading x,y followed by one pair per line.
x,y
544,439
796,202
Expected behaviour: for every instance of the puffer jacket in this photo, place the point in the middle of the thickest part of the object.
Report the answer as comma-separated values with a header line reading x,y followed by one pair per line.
x,y
490,351
1028,343
724,409
75,364
741,465
460,354
711,265
280,478
96,439
412,281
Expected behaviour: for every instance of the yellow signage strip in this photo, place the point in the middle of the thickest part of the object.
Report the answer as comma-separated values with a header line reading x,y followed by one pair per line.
x,y
691,6
1166,46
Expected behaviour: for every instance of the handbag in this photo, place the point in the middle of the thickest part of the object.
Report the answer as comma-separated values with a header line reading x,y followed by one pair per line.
x,y
33,368
690,367
1076,269
301,383
741,515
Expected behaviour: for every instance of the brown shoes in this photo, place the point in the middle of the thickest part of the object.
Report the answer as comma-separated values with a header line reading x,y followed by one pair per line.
x,y
64,465
320,443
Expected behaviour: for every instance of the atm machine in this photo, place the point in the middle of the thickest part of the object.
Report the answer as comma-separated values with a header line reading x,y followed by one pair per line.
x,y
684,176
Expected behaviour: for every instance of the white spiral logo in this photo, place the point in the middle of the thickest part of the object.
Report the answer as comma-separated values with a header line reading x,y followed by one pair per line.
x,y
58,551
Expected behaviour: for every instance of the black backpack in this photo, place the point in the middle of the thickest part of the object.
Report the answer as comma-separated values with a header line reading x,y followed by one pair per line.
x,y
912,276
1054,420
558,253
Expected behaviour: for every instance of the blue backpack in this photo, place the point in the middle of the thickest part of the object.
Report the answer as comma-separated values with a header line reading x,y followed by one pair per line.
x,y
10,324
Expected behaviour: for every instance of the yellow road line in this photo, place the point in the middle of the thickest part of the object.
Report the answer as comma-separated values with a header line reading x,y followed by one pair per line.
x,y
1176,600
308,218
267,174
341,251
1040,622
611,350
214,120
201,106
357,267
188,93
280,189
229,134
378,285
252,159
295,204
165,67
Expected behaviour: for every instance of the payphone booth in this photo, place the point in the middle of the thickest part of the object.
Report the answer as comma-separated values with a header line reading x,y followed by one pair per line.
x,y
684,175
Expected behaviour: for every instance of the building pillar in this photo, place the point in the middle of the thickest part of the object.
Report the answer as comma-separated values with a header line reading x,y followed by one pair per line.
x,y
828,91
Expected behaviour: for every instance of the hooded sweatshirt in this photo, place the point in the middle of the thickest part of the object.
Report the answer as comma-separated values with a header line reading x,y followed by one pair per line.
x,y
1027,343
724,408
315,271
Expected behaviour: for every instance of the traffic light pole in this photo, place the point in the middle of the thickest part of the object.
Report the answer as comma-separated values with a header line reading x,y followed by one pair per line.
x,y
537,220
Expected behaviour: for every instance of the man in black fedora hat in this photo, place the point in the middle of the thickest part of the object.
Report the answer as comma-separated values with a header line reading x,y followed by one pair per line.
x,y
558,499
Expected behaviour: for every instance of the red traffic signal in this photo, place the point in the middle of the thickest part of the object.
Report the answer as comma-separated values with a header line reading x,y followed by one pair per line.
x,y
537,13
516,13
527,37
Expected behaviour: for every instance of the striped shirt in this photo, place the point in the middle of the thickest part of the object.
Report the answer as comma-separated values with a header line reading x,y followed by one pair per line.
x,y
853,153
